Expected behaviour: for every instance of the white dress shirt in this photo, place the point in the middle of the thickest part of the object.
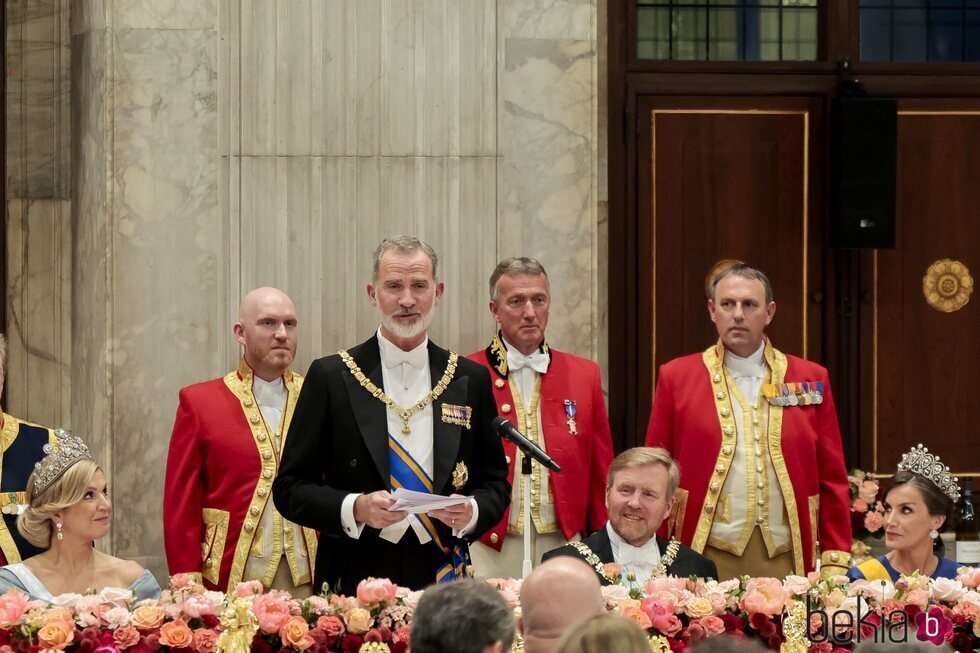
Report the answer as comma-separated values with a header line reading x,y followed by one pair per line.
x,y
638,560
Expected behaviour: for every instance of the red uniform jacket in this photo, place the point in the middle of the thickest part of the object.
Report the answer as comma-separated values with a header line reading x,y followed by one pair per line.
x,y
580,489
804,442
219,478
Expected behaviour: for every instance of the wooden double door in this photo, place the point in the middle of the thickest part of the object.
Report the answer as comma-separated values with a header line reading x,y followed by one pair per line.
x,y
745,176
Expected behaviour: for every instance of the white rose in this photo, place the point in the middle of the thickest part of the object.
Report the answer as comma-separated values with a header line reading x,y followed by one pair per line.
x,y
971,596
412,599
796,584
614,593
946,589
69,601
116,596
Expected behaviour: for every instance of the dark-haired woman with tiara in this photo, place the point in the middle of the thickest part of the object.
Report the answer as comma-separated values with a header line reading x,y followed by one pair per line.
x,y
919,503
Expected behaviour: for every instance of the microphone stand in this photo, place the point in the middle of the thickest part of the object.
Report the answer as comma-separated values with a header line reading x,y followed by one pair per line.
x,y
526,504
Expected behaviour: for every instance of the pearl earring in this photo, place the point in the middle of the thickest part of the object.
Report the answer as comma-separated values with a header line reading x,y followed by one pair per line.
x,y
57,527
934,533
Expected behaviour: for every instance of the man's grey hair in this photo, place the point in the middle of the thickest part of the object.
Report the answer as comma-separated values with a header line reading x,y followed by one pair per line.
x,y
746,272
463,616
404,245
513,266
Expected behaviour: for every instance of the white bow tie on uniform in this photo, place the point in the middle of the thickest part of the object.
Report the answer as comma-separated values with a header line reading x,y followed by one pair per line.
x,y
417,358
537,361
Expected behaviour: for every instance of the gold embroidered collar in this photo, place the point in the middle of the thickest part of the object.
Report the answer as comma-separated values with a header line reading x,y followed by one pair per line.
x,y
666,560
497,354
403,413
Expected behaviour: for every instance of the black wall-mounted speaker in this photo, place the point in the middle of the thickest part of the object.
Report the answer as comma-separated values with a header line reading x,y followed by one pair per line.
x,y
863,154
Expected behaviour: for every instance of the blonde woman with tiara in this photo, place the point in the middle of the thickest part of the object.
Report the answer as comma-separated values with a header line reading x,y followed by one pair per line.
x,y
68,509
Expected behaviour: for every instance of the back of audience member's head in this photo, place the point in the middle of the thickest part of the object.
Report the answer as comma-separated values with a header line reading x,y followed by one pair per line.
x,y
608,632
557,595
466,616
728,644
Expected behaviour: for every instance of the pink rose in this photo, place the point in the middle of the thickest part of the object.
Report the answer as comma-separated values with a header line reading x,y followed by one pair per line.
x,y
403,634
764,596
319,605
248,588
919,597
116,617
331,625
126,636
713,625
182,582
271,611
205,640
969,576
296,634
375,590
859,505
695,633
873,521
13,608
661,614
176,634
196,606
718,602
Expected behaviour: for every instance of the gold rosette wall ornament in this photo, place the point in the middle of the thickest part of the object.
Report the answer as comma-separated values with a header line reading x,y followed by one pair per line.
x,y
947,285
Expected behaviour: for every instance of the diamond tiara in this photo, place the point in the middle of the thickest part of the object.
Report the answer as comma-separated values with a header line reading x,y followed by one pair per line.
x,y
920,461
68,450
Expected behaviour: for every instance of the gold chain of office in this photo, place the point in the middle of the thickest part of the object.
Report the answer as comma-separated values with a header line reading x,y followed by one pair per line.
x,y
666,560
403,413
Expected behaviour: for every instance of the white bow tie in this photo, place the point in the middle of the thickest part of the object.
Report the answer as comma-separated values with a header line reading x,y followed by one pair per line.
x,y
537,361
417,358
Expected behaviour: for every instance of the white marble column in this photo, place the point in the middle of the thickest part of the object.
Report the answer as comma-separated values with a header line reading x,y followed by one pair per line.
x,y
38,252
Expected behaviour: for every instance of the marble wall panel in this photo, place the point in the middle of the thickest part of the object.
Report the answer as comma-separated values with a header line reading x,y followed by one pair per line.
x,y
547,201
366,78
548,19
39,311
91,395
310,224
87,16
37,100
167,272
164,14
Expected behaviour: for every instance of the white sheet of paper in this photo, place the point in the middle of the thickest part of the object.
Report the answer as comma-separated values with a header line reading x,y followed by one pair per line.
x,y
419,502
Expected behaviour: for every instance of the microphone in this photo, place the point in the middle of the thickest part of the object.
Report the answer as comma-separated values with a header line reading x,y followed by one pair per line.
x,y
507,430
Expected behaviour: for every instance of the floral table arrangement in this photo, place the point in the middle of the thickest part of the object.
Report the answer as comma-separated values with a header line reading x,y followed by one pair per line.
x,y
867,512
793,614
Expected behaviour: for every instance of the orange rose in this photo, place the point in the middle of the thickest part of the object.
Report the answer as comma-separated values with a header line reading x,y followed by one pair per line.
x,y
296,634
147,617
176,634
611,570
638,616
56,634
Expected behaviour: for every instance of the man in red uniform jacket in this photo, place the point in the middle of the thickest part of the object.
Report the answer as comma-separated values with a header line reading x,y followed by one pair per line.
x,y
555,399
763,481
219,521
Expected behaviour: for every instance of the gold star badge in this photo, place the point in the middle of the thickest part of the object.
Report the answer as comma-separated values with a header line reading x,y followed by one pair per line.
x,y
460,475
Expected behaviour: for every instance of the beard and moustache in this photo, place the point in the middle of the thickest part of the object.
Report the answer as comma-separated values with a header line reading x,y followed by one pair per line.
x,y
401,329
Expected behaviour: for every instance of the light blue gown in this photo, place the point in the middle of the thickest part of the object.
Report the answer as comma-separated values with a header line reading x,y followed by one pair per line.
x,y
19,576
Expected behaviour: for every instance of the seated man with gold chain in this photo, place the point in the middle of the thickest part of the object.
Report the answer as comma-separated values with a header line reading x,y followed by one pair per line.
x,y
639,496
